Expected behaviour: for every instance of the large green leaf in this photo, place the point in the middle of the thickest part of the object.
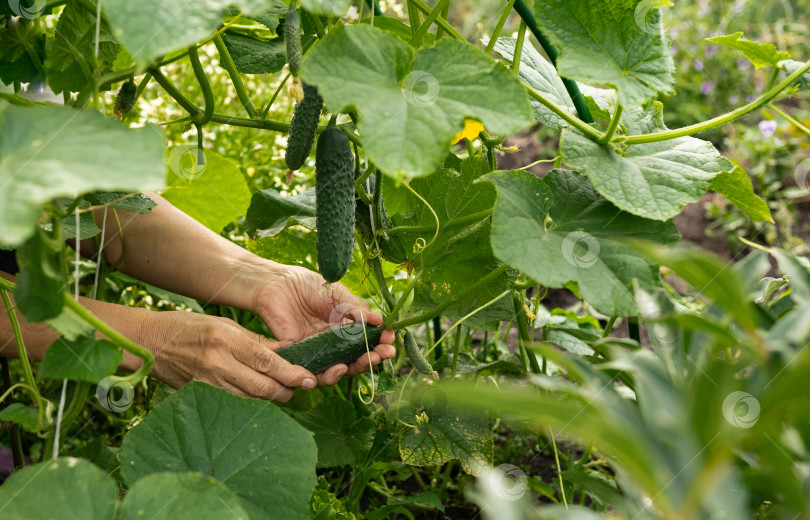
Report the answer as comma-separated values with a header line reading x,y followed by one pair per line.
x,y
252,56
653,180
22,46
213,192
620,43
52,151
341,436
537,72
449,434
737,187
71,53
251,446
18,413
461,254
412,103
75,490
151,28
82,359
792,66
559,229
760,54
181,496
270,212
38,293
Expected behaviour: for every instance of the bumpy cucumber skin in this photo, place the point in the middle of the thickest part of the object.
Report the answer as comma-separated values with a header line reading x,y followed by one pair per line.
x,y
391,247
334,203
292,39
416,358
125,100
343,344
303,127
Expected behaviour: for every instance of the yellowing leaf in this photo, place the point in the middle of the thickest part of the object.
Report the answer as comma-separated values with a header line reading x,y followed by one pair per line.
x,y
471,130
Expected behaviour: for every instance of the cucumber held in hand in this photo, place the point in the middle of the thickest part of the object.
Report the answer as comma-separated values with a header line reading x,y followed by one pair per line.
x,y
303,127
334,203
342,344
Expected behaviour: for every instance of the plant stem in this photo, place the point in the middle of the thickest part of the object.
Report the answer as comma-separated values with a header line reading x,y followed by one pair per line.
x,y
227,63
450,224
414,20
316,23
790,119
456,344
764,99
523,332
416,40
28,374
205,86
440,31
609,327
586,129
521,37
559,470
421,318
17,455
614,124
571,86
275,95
499,27
170,89
401,301
422,6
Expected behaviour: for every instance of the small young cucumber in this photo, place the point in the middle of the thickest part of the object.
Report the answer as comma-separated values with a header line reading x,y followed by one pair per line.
x,y
125,100
417,359
303,127
334,203
292,40
342,344
390,247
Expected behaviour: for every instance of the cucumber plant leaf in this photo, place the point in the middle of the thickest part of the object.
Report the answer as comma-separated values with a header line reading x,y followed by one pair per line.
x,y
620,43
76,490
737,187
249,445
792,66
22,50
760,54
252,56
21,414
213,192
180,496
71,52
652,180
82,359
412,103
559,229
53,151
270,212
342,437
38,294
172,24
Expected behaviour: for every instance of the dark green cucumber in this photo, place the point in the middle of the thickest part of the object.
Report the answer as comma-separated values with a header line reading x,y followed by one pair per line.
x,y
390,247
334,203
417,358
292,39
303,127
125,100
342,344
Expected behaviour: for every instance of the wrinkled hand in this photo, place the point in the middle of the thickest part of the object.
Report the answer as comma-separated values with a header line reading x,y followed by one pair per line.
x,y
295,305
222,353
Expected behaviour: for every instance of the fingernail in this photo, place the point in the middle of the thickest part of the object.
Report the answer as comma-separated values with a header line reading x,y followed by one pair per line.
x,y
308,383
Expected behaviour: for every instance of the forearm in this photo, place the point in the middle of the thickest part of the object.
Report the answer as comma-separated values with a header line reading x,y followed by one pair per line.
x,y
169,249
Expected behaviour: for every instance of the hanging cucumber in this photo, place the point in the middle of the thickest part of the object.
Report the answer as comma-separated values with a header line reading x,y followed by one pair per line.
x,y
342,344
292,40
303,127
390,247
417,359
334,203
125,100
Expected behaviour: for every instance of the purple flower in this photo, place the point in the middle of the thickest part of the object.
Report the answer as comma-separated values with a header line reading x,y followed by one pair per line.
x,y
767,127
733,99
749,98
742,63
698,65
710,51
707,87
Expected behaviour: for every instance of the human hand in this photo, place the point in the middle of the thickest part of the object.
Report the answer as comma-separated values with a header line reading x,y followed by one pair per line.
x,y
222,353
294,304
